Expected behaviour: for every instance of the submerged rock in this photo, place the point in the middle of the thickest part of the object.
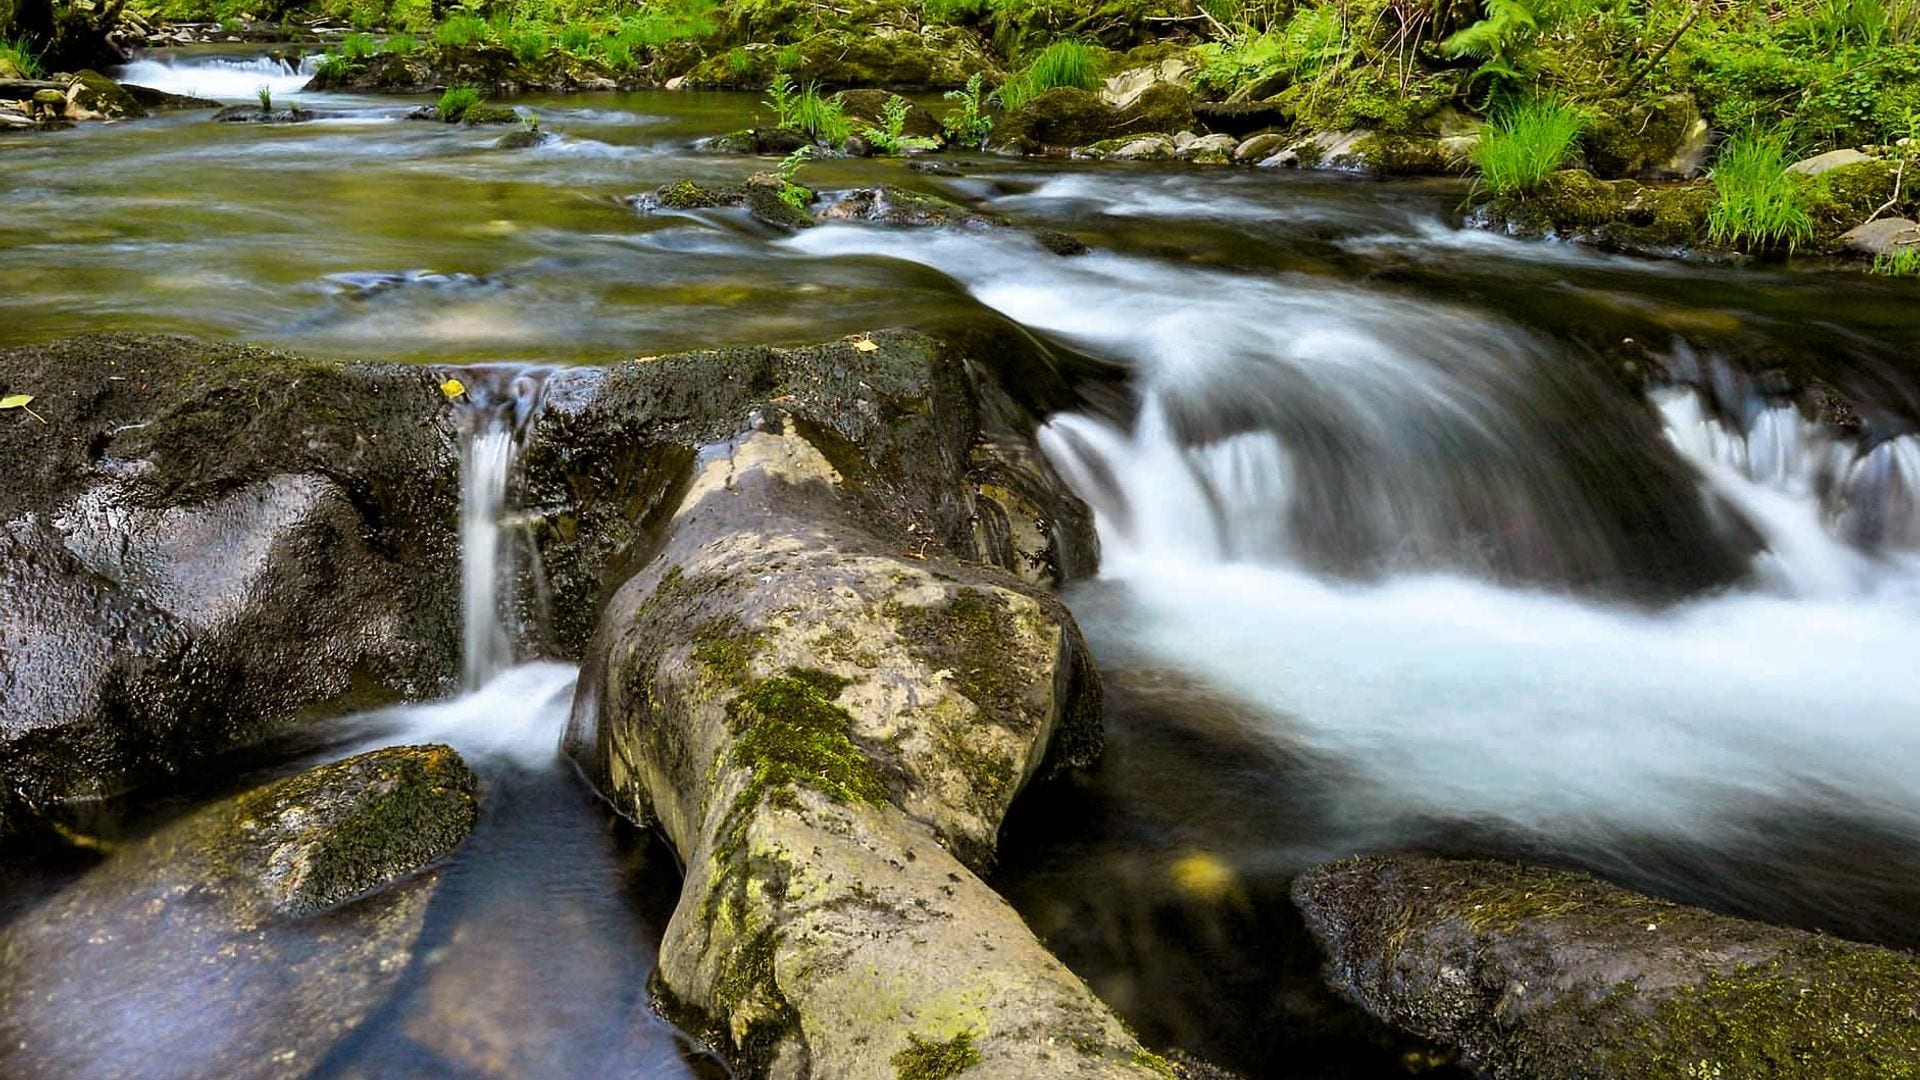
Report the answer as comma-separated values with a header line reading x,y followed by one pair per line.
x,y
525,139
761,196
236,911
254,114
1545,974
1617,215
828,715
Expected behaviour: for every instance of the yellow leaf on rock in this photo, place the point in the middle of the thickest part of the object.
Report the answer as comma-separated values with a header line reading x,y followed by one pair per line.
x,y
866,345
453,388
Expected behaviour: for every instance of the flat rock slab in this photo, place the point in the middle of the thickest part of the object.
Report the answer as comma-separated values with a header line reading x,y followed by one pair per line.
x,y
1881,236
1539,974
1827,162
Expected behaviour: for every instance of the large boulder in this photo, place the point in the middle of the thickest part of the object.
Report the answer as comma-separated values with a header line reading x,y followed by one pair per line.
x,y
1539,974
828,711
201,542
290,912
93,96
1066,117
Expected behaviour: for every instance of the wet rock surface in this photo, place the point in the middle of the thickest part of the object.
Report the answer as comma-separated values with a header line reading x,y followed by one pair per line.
x,y
1543,974
204,540
828,715
289,912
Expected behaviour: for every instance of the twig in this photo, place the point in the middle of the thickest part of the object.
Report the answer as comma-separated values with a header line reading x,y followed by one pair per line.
x,y
1699,9
1898,175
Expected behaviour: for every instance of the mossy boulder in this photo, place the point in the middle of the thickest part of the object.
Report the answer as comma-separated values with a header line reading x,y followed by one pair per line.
x,y
1662,139
898,207
883,56
870,107
1663,219
1066,117
162,101
760,196
93,96
1552,975
290,911
828,714
1844,197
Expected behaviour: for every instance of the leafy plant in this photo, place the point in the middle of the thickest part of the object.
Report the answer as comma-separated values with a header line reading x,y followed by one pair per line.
x,y
358,46
265,94
1526,143
891,136
14,51
1065,63
1495,40
576,38
788,58
528,42
402,44
456,101
1902,261
460,31
332,66
1314,40
969,125
822,118
1760,204
782,99
792,193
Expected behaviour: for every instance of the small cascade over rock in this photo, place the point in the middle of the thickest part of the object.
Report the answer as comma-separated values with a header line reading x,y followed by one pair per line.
x,y
222,78
500,407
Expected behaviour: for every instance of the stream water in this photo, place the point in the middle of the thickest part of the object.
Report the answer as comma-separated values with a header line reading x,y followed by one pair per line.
x,y
1398,550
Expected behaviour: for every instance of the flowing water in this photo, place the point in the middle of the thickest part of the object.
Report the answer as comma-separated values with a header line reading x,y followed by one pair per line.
x,y
1412,537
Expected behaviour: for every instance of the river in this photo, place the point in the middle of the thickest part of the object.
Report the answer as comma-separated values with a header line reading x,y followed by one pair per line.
x,y
1412,536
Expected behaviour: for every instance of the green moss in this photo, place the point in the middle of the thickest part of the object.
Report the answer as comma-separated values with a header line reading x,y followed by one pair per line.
x,y
929,1059
969,637
789,732
727,649
1839,1012
1147,1059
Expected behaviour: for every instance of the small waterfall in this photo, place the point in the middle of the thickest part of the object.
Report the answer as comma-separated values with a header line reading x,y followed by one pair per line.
x,y
1822,507
222,78
494,424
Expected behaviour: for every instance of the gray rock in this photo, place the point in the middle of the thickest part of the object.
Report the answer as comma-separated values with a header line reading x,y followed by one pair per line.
x,y
1150,148
1827,162
1881,236
1210,150
218,914
1537,974
828,717
1260,147
93,96
1335,151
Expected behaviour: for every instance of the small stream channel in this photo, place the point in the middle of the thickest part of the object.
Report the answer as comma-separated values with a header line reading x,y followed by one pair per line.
x,y
1399,551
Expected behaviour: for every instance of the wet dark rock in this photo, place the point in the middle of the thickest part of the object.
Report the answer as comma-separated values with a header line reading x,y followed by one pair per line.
x,y
291,910
527,139
760,196
767,142
202,542
254,114
162,101
1616,215
886,204
1547,974
934,168
25,89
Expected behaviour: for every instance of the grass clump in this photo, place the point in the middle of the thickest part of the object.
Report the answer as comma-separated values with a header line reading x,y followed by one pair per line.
x,y
820,116
1065,63
1903,261
14,51
527,41
1758,203
456,101
928,1059
460,31
1525,144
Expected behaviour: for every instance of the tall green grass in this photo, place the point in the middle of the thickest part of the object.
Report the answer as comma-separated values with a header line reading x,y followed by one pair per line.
x,y
821,116
1524,144
14,51
461,30
456,101
1066,63
1760,204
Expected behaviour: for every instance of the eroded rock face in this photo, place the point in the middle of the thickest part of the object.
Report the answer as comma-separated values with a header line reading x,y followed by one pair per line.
x,y
201,541
1545,974
828,715
289,911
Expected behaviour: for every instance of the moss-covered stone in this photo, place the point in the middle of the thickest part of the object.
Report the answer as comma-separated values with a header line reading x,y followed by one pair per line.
x,y
92,94
1547,974
935,1059
1618,215
1665,138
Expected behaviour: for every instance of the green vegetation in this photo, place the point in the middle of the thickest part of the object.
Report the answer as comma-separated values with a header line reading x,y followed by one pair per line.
x,y
15,53
265,94
1524,144
891,136
792,193
1760,204
1903,261
969,125
1067,63
821,117
930,1059
456,101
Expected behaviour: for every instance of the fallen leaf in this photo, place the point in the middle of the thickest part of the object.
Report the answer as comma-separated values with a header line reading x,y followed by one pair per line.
x,y
866,344
453,388
15,401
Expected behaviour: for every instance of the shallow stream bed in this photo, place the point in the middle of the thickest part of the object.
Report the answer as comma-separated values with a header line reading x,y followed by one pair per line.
x,y
1413,536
